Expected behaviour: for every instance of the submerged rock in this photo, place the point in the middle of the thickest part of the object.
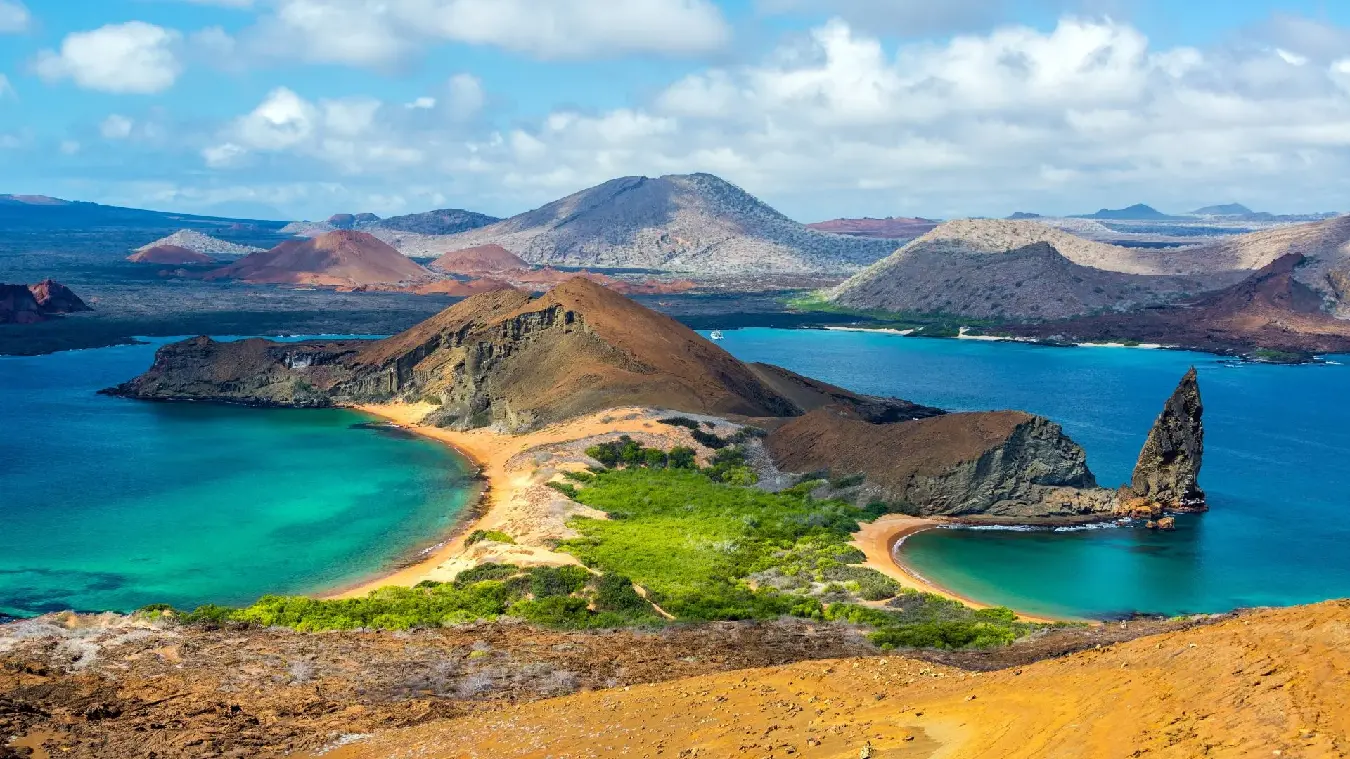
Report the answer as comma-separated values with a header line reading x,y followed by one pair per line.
x,y
1166,477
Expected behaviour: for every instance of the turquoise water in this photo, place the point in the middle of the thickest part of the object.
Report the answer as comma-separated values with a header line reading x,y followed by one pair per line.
x,y
1277,470
111,504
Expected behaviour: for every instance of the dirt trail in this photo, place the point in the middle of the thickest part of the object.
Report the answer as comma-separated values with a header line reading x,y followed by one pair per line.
x,y
1261,685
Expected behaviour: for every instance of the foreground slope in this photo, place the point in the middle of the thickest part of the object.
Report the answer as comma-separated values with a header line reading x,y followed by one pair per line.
x,y
1265,684
691,223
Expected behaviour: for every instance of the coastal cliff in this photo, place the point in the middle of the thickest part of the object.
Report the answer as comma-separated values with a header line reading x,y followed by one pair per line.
x,y
997,465
1005,467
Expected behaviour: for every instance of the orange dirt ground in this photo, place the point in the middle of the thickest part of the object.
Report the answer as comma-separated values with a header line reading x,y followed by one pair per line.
x,y
1272,684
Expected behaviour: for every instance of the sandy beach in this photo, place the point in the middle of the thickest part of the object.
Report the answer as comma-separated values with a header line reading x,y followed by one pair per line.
x,y
517,501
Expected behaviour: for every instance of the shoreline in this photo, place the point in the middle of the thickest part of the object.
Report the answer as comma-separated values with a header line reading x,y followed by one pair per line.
x,y
490,452
878,540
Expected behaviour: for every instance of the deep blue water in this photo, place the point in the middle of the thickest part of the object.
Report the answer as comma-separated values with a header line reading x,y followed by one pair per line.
x,y
1277,469
111,504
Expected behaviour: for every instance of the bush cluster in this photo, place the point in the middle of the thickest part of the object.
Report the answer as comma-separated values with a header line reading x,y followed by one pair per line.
x,y
564,597
627,452
497,536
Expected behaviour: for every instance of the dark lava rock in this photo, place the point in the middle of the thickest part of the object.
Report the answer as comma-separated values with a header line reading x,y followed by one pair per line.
x,y
1168,471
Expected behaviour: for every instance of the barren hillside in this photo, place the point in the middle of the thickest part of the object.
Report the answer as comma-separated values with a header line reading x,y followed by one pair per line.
x,y
691,223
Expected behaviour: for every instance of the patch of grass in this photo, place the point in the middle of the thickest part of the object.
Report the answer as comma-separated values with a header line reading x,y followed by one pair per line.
x,y
627,452
563,597
478,536
566,488
926,324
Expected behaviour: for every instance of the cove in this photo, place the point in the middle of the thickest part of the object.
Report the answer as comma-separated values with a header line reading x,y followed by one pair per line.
x,y
110,504
1277,470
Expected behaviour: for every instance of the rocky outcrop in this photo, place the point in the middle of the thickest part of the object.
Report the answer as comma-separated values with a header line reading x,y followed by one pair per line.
x,y
499,359
29,304
1005,466
1167,476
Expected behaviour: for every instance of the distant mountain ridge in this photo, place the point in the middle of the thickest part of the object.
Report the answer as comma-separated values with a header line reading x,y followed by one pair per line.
x,y
687,223
1227,209
444,221
1136,212
29,212
892,228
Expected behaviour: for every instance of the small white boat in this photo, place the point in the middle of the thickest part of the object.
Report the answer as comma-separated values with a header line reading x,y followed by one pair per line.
x,y
716,334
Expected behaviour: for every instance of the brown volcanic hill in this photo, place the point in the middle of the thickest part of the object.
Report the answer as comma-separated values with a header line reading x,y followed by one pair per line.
x,y
890,228
1266,684
1036,280
1271,309
1000,465
169,254
55,298
480,260
337,258
29,304
500,358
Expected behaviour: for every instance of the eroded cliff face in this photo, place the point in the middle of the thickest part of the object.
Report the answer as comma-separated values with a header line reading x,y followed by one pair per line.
x,y
997,466
1038,472
1167,475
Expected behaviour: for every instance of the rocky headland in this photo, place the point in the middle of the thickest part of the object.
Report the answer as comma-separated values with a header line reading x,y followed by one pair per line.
x,y
1005,467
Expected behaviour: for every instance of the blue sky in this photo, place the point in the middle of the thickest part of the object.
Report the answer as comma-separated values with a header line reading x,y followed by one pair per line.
x,y
303,108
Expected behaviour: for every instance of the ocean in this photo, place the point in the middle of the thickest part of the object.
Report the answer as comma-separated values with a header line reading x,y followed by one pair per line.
x,y
110,504
1276,469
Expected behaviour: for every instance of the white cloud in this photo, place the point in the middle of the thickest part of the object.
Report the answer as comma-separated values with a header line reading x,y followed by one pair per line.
x,y
14,17
464,96
384,32
116,127
345,133
1293,59
132,58
1086,114
422,104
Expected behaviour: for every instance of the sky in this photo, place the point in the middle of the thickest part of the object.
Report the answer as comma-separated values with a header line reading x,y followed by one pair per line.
x,y
822,108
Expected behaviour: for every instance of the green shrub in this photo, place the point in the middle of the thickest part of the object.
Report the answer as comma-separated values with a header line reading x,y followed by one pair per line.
x,y
484,572
558,581
708,440
681,421
566,488
851,480
582,477
682,457
478,536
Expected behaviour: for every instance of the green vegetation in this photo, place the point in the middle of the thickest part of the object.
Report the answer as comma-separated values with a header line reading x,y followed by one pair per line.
x,y
627,452
710,550
934,324
478,536
1271,356
564,597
